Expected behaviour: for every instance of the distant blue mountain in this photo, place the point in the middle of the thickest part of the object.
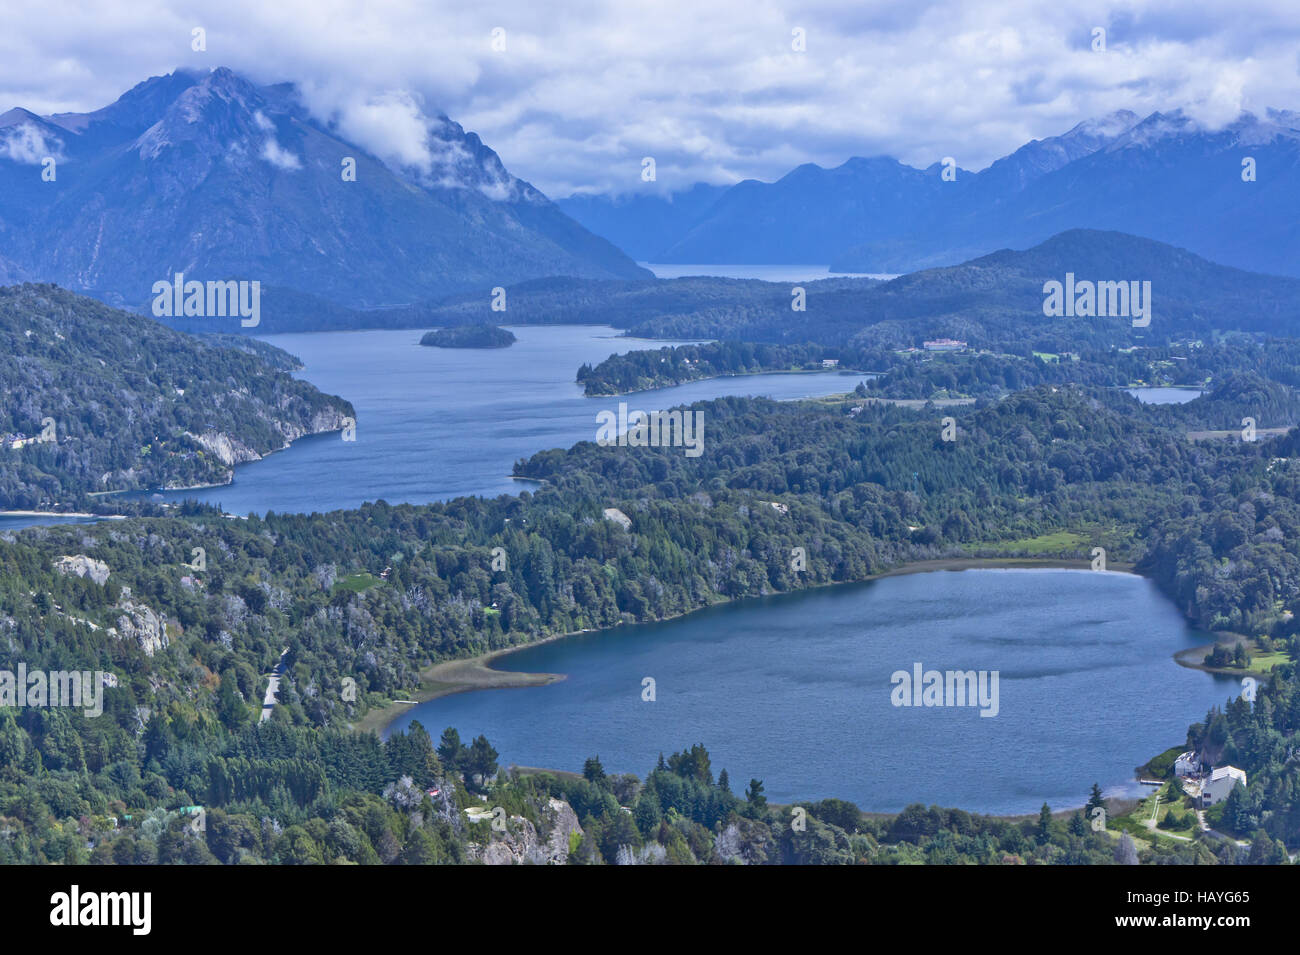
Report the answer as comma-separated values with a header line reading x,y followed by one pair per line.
x,y
208,174
642,225
1163,177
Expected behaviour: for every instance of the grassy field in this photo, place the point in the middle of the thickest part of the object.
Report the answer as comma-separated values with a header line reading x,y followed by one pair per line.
x,y
356,583
1059,542
1136,823
1263,662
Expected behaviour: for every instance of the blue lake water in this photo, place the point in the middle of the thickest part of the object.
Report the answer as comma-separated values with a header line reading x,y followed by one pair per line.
x,y
768,273
12,522
1164,396
795,690
438,423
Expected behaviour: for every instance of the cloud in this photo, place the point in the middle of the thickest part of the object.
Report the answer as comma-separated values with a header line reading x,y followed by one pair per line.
x,y
713,91
279,157
272,151
26,144
391,124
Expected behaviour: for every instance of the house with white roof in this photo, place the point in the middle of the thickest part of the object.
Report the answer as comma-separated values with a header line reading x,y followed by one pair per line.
x,y
1220,783
1187,764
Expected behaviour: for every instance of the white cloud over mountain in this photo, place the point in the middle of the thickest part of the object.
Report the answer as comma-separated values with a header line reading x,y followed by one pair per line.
x,y
582,91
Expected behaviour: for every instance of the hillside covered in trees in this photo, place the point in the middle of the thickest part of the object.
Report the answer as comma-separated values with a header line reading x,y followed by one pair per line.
x,y
992,302
97,399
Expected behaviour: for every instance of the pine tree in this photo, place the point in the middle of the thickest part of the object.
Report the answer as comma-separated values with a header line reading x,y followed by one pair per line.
x,y
1095,801
450,750
1044,829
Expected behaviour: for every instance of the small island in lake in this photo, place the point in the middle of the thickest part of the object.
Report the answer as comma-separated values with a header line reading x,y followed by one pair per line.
x,y
469,336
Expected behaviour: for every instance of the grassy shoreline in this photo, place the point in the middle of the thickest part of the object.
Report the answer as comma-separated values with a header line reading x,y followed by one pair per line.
x,y
1193,657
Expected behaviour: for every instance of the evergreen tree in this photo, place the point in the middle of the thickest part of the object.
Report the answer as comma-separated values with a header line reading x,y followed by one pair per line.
x,y
450,750
1043,831
480,759
1095,801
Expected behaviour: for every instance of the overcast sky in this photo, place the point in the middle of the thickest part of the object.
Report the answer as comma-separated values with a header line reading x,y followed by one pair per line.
x,y
712,89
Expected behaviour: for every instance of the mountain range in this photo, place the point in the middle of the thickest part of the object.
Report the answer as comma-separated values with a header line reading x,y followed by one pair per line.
x,y
1163,177
209,174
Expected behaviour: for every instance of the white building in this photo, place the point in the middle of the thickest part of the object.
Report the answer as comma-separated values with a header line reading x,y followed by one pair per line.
x,y
1187,764
1219,783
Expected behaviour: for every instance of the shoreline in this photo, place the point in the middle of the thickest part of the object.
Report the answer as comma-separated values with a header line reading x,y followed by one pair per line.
x,y
462,675
103,517
466,674
227,483
848,372
1193,658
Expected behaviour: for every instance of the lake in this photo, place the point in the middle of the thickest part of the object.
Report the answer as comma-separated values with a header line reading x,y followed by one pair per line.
x,y
15,521
768,273
1165,396
795,690
438,423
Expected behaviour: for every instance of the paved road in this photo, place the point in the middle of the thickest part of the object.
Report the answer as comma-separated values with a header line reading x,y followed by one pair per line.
x,y
273,687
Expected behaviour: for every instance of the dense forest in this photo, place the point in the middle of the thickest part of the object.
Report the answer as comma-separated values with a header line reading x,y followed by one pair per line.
x,y
364,599
97,399
995,302
469,336
643,370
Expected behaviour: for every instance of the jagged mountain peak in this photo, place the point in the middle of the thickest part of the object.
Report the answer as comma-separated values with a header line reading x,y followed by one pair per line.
x,y
211,172
218,112
1247,129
